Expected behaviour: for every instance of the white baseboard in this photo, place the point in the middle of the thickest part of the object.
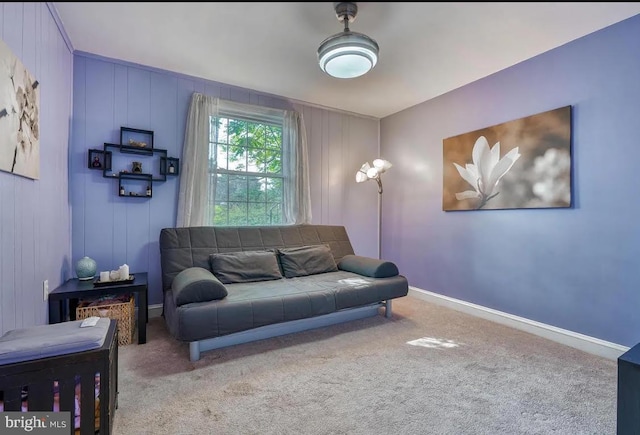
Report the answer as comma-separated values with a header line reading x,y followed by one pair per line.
x,y
576,340
155,310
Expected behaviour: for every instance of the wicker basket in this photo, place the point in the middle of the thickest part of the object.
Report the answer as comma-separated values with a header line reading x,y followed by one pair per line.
x,y
123,312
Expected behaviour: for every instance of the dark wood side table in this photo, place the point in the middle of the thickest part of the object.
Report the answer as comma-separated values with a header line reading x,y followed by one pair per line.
x,y
64,299
629,392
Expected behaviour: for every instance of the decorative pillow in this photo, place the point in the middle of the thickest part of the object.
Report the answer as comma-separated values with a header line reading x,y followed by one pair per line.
x,y
196,284
245,266
368,266
306,260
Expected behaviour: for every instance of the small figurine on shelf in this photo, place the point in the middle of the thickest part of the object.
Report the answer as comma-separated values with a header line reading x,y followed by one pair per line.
x,y
96,162
172,169
148,190
136,167
121,190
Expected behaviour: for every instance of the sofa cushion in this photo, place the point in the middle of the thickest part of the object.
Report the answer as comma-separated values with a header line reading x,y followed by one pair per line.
x,y
245,266
44,341
306,260
368,266
197,284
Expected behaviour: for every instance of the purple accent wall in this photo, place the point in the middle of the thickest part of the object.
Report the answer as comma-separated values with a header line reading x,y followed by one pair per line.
x,y
35,240
108,94
576,269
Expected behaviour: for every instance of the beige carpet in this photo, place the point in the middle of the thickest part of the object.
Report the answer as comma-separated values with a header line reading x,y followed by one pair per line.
x,y
470,376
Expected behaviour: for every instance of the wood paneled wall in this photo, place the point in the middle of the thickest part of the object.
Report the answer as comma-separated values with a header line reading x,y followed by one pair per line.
x,y
35,240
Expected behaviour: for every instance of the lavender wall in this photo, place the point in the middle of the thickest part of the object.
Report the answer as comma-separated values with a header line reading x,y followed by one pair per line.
x,y
34,214
575,268
108,94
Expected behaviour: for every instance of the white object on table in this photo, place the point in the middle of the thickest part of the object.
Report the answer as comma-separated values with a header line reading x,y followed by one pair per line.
x,y
124,271
104,276
89,321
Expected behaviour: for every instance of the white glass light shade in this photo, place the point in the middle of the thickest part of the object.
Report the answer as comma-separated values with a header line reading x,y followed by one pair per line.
x,y
381,165
372,173
361,175
348,54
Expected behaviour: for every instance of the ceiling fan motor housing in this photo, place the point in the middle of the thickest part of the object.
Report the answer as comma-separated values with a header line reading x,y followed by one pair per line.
x,y
346,9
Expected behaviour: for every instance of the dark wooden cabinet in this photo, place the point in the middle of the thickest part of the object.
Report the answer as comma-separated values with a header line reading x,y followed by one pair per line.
x,y
629,392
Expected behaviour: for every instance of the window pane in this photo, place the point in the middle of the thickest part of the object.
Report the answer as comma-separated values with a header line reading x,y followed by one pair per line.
x,y
256,135
273,161
257,189
237,158
274,212
221,213
222,187
237,213
221,156
237,188
257,213
237,132
219,133
254,163
273,136
274,189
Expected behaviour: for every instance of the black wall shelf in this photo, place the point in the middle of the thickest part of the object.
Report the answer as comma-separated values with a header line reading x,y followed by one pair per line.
x,y
137,178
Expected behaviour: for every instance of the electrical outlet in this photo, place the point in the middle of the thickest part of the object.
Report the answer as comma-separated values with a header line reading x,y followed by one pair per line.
x,y
45,289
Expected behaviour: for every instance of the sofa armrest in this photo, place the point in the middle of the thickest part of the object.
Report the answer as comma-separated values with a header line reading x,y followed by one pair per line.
x,y
368,266
196,284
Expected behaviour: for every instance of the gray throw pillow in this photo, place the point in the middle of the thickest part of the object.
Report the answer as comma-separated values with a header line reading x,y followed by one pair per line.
x,y
245,266
196,284
306,260
367,266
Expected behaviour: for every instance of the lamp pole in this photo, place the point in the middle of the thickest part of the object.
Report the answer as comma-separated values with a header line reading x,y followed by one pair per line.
x,y
380,224
379,181
366,172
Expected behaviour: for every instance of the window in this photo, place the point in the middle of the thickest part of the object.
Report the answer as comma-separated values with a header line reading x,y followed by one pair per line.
x,y
243,164
246,177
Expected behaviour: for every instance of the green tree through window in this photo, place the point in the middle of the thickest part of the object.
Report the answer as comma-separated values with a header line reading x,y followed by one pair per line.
x,y
245,173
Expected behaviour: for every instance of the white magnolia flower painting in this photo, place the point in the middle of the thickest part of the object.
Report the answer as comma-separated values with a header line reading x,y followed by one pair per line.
x,y
525,163
19,117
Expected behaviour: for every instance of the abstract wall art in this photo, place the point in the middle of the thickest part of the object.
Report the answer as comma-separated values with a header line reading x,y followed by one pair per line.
x,y
19,117
524,163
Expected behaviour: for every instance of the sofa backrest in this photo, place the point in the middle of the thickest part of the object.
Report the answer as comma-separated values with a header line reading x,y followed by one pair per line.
x,y
181,248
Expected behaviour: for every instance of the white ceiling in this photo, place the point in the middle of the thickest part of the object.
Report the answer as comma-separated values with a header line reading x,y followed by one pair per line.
x,y
426,49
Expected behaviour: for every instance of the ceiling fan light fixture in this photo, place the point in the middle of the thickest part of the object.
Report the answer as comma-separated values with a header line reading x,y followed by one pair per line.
x,y
347,54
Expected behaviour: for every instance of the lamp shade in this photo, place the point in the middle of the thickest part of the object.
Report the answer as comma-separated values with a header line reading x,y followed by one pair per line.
x,y
372,172
348,54
381,165
368,172
361,175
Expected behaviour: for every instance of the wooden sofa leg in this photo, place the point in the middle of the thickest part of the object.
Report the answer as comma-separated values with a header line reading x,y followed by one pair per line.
x,y
387,309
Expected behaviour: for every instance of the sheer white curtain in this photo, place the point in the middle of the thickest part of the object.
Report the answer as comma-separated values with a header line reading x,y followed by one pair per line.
x,y
194,171
197,182
297,196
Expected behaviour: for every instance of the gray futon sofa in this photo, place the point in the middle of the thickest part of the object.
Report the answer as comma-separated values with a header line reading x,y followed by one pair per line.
x,y
229,285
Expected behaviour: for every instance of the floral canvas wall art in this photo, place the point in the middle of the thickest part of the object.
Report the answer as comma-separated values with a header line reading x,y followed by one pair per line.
x,y
19,117
524,163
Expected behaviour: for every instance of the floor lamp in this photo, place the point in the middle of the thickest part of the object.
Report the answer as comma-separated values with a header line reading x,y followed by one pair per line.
x,y
368,172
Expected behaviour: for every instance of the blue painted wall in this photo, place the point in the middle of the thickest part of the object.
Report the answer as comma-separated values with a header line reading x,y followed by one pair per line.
x,y
35,240
577,268
108,94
